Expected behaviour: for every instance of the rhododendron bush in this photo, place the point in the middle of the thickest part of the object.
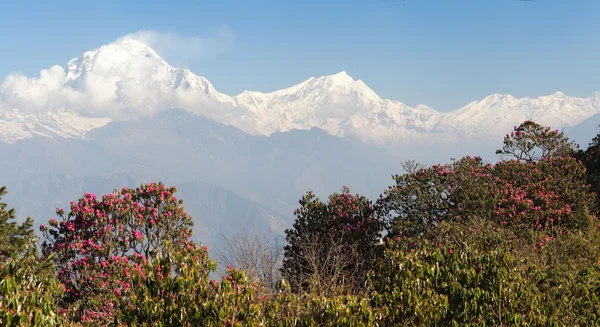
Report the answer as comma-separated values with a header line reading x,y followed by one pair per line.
x,y
531,142
101,241
541,200
176,291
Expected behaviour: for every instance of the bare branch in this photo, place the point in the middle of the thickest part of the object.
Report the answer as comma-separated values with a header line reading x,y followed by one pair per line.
x,y
258,254
411,166
327,264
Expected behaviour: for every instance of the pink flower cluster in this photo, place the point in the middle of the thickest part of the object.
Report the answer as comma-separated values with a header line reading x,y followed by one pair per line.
x,y
542,195
100,242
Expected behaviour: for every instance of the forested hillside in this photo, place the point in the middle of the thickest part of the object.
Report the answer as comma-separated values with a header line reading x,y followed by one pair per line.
x,y
514,242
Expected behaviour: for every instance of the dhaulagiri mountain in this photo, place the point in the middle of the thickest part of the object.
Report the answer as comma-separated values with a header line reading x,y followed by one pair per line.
x,y
120,115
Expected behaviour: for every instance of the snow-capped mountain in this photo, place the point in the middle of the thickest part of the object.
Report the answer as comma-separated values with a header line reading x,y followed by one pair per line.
x,y
342,106
123,80
498,112
130,65
126,79
338,104
16,126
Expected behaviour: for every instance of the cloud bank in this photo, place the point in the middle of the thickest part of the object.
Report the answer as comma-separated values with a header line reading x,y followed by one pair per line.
x,y
124,79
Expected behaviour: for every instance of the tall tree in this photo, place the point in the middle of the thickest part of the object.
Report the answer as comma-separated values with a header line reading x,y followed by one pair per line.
x,y
28,286
13,236
530,141
331,241
590,158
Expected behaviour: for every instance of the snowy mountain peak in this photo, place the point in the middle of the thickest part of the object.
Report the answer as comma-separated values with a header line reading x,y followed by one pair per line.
x,y
122,80
495,114
128,74
341,78
116,55
497,97
340,82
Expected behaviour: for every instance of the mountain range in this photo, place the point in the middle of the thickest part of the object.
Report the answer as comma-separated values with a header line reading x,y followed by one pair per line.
x,y
120,115
126,80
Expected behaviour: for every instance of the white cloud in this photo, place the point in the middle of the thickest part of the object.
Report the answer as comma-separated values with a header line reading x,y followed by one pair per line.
x,y
181,50
124,79
31,94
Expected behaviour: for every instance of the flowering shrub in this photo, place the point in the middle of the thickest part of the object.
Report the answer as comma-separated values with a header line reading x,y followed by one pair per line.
x,y
531,142
549,195
100,242
420,201
547,198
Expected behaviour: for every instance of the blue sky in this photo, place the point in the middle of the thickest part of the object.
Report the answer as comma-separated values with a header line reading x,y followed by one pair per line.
x,y
442,53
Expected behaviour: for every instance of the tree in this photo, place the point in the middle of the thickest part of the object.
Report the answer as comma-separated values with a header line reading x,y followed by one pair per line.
x,y
411,166
28,285
326,264
101,241
460,285
173,289
326,234
418,202
452,286
257,255
531,141
590,158
13,237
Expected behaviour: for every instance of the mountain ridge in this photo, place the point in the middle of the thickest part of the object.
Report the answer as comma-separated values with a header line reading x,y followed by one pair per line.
x,y
127,80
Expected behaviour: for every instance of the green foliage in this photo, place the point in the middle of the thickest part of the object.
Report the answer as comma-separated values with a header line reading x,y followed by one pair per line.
x,y
28,286
531,141
570,296
13,237
289,309
173,290
463,286
537,200
420,201
590,158
452,286
331,244
455,232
